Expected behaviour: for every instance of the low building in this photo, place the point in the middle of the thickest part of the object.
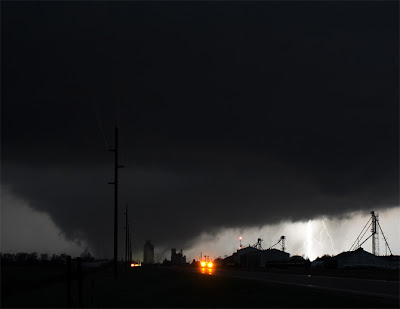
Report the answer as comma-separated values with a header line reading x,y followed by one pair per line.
x,y
357,259
361,258
390,261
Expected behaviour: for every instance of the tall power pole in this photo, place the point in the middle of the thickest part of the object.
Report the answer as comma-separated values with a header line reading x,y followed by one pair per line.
x,y
126,236
115,183
130,245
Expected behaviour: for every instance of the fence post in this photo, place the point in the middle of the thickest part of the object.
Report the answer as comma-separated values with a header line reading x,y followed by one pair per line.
x,y
69,296
92,292
80,285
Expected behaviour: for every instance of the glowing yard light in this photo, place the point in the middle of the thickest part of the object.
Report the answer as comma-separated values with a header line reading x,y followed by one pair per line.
x,y
203,264
210,265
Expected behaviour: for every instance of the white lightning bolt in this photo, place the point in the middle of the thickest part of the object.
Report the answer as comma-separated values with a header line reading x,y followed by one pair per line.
x,y
326,229
308,244
320,235
311,240
319,242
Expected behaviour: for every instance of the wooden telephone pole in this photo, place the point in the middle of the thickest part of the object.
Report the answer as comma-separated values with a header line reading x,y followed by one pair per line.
x,y
126,237
115,183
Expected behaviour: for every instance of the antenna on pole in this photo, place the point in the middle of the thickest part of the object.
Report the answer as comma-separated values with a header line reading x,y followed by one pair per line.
x,y
115,183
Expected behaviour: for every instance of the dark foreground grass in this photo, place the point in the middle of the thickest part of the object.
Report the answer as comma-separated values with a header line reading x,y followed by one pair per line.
x,y
361,273
173,288
25,278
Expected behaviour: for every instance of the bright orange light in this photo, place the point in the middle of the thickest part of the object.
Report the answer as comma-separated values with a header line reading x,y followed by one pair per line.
x,y
132,265
210,265
203,264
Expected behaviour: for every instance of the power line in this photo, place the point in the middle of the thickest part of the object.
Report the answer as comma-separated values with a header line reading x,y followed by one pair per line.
x,y
358,237
387,244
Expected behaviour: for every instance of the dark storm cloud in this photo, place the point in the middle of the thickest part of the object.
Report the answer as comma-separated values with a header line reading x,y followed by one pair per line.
x,y
257,111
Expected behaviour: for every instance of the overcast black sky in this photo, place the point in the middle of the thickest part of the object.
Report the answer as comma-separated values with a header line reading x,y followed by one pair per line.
x,y
231,114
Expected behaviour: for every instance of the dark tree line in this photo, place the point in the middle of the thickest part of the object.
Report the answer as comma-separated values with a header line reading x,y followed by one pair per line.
x,y
23,258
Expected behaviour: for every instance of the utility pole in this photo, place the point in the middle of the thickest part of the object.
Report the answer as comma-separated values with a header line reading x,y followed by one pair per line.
x,y
130,245
130,240
115,183
126,236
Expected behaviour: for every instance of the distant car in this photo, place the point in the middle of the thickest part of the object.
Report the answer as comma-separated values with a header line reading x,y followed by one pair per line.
x,y
206,264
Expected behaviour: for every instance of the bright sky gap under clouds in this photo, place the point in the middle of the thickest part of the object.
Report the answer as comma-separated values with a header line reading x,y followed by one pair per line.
x,y
40,234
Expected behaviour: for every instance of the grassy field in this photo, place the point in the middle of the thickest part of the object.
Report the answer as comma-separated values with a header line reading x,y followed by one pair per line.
x,y
164,287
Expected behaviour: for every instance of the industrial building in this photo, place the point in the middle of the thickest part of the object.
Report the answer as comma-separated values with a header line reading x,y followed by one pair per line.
x,y
251,257
358,259
148,253
177,258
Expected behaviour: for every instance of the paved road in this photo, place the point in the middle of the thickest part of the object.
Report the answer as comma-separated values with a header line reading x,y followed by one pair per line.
x,y
365,287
